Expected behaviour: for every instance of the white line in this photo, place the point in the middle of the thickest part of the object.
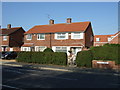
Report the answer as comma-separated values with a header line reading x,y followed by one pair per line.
x,y
55,69
13,65
10,87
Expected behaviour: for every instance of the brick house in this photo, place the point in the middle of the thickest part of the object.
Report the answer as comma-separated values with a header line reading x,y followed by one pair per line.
x,y
100,40
11,38
60,37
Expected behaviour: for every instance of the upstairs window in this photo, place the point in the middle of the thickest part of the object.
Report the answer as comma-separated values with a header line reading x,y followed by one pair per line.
x,y
76,35
29,37
109,39
97,39
4,38
61,35
40,36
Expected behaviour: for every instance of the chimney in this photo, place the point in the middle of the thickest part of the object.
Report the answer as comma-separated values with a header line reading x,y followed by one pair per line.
x,y
69,20
51,21
8,26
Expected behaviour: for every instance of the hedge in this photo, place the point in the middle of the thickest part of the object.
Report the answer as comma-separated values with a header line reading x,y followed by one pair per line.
x,y
56,58
107,52
48,50
84,59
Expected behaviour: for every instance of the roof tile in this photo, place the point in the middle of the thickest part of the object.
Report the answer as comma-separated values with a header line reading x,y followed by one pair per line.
x,y
78,26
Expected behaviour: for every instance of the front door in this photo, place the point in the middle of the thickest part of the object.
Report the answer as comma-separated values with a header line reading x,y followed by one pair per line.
x,y
75,50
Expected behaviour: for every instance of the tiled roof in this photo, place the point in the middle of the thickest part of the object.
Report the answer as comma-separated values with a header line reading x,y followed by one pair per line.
x,y
64,27
103,38
6,31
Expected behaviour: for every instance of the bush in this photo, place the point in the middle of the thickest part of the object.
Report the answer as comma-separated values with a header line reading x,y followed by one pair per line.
x,y
56,58
106,52
84,59
48,50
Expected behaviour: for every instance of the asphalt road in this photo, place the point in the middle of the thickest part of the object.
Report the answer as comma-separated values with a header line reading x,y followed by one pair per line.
x,y
26,78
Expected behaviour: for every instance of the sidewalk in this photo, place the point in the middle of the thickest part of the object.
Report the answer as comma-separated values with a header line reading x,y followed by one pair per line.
x,y
59,68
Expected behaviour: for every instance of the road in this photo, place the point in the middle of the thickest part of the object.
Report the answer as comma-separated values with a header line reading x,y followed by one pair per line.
x,y
25,78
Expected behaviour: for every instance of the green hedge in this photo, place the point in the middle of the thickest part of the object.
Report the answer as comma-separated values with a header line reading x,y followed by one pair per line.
x,y
84,59
48,50
107,52
56,58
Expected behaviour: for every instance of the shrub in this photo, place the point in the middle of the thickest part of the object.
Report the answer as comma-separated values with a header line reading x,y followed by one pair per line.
x,y
48,50
106,52
57,58
84,59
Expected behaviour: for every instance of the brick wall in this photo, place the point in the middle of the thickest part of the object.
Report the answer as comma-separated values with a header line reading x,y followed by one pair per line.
x,y
89,38
16,39
4,42
53,42
109,65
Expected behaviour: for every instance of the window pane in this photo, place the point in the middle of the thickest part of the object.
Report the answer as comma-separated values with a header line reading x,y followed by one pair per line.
x,y
61,35
41,36
61,49
29,36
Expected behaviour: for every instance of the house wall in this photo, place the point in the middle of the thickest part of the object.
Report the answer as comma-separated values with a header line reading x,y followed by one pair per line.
x,y
51,41
4,42
89,37
16,38
115,40
99,43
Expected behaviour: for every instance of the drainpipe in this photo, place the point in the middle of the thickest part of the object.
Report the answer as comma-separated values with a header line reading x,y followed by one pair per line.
x,y
51,40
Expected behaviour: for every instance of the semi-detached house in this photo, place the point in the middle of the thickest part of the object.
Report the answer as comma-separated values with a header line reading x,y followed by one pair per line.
x,y
100,40
60,37
11,38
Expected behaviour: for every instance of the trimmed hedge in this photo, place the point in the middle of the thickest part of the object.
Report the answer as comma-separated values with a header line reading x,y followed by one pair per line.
x,y
48,50
84,59
107,52
56,58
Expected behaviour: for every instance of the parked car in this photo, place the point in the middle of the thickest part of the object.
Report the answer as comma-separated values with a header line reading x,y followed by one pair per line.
x,y
9,55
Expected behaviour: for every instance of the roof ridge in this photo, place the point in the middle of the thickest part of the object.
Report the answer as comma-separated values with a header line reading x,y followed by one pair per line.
x,y
61,23
10,28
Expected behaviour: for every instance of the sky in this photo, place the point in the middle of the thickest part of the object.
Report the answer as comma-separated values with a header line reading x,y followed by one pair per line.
x,y
102,15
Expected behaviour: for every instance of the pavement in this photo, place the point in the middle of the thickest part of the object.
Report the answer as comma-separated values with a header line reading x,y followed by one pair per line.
x,y
59,68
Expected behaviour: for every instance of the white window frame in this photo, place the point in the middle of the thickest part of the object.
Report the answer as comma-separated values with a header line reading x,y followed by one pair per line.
x,y
109,39
58,35
74,34
30,37
4,38
40,48
27,49
61,49
97,39
39,35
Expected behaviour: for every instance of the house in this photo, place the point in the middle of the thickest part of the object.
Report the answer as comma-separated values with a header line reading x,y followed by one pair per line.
x,y
60,37
11,38
100,40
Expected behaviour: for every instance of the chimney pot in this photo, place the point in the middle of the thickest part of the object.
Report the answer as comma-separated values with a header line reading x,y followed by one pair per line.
x,y
51,21
69,20
8,26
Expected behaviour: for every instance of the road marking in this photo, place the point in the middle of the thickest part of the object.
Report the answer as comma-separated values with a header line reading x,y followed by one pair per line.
x,y
13,65
55,69
11,87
